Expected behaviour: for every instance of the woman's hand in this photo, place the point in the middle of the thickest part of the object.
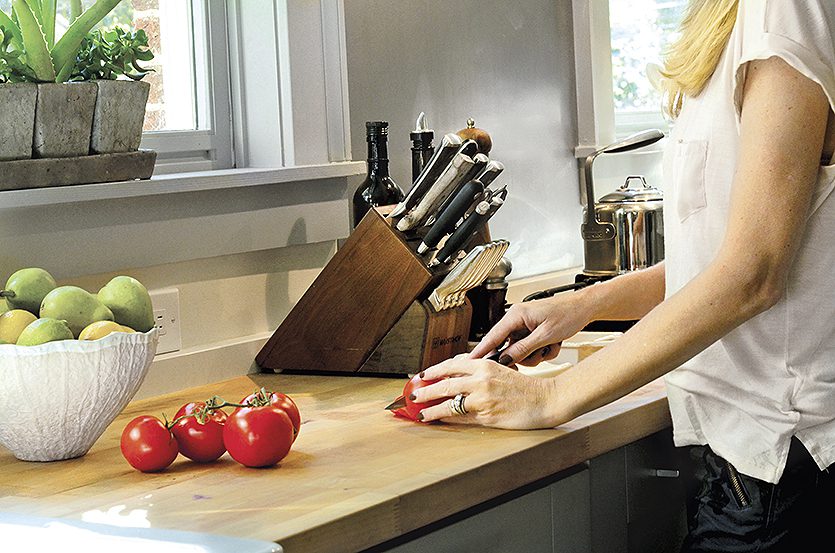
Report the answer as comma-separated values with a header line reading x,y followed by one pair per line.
x,y
535,329
495,395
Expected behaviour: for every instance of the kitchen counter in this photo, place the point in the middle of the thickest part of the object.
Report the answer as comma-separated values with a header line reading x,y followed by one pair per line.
x,y
356,476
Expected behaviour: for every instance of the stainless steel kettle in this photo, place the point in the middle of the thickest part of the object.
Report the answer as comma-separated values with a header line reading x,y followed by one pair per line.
x,y
624,230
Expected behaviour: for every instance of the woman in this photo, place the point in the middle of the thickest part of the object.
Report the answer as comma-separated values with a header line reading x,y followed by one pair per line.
x,y
742,308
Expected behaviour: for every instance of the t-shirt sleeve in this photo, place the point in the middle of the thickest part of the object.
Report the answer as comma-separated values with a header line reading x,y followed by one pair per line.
x,y
800,32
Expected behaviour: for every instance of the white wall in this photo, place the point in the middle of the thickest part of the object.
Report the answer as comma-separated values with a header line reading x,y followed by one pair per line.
x,y
510,66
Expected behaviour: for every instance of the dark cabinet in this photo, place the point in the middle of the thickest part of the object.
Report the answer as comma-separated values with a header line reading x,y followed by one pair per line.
x,y
630,500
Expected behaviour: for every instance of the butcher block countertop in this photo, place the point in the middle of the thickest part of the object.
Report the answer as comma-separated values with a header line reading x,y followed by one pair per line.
x,y
356,476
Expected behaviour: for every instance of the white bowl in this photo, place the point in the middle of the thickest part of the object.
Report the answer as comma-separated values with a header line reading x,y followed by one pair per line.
x,y
57,398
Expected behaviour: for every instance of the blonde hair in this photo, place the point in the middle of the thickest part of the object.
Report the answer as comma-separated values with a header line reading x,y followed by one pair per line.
x,y
692,58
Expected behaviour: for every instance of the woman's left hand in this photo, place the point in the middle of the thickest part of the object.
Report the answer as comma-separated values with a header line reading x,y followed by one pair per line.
x,y
495,395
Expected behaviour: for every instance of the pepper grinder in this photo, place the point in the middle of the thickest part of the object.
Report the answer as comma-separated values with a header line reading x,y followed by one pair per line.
x,y
489,300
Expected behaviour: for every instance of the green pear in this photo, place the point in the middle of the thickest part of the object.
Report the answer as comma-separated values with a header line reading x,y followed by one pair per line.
x,y
27,288
44,330
130,303
76,306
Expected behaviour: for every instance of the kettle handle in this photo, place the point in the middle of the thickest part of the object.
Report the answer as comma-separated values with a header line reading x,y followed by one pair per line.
x,y
593,229
641,178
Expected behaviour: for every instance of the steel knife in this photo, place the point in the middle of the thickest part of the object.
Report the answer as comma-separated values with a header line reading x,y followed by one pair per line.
x,y
480,161
467,274
449,146
490,172
435,196
482,213
448,217
469,147
398,403
455,278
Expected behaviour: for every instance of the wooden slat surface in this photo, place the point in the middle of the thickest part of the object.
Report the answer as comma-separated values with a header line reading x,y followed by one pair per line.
x,y
355,477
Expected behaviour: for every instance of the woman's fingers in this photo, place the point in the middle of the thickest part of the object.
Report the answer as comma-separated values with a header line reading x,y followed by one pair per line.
x,y
498,335
447,387
545,353
456,366
443,412
520,350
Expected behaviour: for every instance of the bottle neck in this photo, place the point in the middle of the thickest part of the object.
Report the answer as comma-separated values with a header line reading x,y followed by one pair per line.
x,y
378,158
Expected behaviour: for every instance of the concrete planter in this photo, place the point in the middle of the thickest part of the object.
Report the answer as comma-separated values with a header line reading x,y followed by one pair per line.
x,y
119,116
64,119
17,106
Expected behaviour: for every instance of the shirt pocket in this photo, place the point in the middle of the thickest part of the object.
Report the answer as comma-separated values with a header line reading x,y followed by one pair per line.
x,y
689,177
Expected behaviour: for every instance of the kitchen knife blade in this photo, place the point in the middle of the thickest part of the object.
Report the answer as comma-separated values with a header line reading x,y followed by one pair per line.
x,y
398,403
435,196
448,218
450,145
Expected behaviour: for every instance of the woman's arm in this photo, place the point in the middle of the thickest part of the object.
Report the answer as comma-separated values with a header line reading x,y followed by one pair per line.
x,y
531,326
783,124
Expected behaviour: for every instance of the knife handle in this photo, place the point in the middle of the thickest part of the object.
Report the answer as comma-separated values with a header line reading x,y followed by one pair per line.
x,y
450,145
469,148
480,161
490,172
463,233
449,216
435,196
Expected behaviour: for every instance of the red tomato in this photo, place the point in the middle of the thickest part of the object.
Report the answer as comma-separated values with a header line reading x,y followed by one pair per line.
x,y
412,409
282,401
200,441
148,445
258,436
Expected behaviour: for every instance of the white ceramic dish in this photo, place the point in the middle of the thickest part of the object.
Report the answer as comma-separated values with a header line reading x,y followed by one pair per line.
x,y
57,398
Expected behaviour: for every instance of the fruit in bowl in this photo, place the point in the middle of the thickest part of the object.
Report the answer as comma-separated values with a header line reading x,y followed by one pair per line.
x,y
69,363
60,396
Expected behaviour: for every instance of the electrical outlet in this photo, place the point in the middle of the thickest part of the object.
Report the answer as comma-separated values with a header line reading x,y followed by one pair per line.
x,y
166,304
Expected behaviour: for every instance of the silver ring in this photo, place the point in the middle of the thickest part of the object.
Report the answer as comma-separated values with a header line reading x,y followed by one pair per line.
x,y
457,405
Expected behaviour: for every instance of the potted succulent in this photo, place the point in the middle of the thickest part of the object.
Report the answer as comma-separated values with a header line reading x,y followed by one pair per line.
x,y
106,55
63,112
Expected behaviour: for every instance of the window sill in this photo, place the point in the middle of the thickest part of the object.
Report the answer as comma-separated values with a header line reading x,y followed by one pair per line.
x,y
176,183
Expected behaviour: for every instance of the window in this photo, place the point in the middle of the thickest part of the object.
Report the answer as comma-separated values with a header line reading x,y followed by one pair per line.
x,y
640,30
187,118
614,41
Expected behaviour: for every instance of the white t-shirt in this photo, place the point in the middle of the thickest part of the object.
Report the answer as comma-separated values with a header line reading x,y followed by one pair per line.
x,y
773,377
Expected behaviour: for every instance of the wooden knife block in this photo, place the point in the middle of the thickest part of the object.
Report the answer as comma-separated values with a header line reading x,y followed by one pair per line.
x,y
367,311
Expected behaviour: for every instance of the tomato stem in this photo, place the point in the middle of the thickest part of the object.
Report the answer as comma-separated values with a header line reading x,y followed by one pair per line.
x,y
262,398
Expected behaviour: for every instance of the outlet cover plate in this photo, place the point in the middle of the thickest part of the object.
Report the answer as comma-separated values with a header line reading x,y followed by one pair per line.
x,y
166,304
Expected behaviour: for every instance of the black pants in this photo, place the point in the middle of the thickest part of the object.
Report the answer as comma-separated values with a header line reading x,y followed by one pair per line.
x,y
731,512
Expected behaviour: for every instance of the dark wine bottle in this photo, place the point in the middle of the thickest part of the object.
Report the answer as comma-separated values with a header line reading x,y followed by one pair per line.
x,y
378,188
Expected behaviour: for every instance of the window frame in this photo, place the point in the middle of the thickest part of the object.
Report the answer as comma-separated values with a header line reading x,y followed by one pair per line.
x,y
598,123
210,146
